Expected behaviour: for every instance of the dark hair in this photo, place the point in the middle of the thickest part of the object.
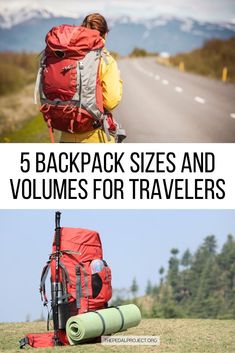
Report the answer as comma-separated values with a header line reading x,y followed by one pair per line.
x,y
96,21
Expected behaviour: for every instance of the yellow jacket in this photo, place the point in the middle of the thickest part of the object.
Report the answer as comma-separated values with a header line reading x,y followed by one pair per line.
x,y
112,94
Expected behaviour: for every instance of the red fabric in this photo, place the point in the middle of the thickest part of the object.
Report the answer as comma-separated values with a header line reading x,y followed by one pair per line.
x,y
59,82
43,340
76,41
86,242
60,119
59,77
105,293
111,123
86,245
52,138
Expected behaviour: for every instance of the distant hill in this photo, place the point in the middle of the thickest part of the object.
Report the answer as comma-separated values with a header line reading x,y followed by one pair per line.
x,y
26,29
210,59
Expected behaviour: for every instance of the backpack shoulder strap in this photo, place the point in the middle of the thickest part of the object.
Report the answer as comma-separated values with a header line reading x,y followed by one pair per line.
x,y
38,79
104,56
43,281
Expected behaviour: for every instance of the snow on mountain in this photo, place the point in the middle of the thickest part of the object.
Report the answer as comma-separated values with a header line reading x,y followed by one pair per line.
x,y
12,16
187,25
24,28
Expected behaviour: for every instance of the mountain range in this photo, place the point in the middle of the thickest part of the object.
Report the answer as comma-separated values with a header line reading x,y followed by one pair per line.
x,y
25,29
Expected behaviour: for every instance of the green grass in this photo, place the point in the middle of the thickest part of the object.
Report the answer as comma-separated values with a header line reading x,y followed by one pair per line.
x,y
176,335
17,70
210,59
34,130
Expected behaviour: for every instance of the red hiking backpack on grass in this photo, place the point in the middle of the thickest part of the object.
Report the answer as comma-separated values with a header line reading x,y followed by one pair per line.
x,y
68,81
80,281
81,288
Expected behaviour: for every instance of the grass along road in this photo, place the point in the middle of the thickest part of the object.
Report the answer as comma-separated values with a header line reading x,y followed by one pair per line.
x,y
17,108
33,130
176,335
20,120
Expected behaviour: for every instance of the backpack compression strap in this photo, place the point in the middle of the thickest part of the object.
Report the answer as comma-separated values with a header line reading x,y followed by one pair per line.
x,y
38,90
79,293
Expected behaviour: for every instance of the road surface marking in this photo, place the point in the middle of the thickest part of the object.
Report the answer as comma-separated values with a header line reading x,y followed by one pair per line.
x,y
232,115
199,100
157,77
138,67
165,82
178,89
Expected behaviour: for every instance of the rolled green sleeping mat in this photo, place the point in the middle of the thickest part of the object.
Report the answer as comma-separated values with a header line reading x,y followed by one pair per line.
x,y
102,322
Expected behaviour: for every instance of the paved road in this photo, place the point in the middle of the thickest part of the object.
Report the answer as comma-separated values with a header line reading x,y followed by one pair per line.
x,y
161,104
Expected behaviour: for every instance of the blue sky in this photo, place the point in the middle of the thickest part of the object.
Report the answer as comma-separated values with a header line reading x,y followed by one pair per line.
x,y
213,10
136,243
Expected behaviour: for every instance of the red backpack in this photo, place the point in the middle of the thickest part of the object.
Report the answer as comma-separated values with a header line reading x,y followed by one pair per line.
x,y
68,81
80,281
81,288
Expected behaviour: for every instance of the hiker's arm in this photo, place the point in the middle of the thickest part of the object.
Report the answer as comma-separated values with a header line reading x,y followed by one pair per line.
x,y
111,84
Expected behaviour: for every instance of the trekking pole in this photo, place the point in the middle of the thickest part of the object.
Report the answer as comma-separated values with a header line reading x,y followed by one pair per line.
x,y
57,260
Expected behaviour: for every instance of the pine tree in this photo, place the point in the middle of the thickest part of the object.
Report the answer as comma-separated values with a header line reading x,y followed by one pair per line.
x,y
186,262
186,259
149,288
161,272
208,302
226,261
200,285
134,288
173,274
204,252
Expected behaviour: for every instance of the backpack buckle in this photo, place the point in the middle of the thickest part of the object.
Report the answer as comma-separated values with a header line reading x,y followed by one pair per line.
x,y
96,124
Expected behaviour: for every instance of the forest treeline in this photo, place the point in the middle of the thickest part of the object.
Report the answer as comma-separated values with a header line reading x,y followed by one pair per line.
x,y
195,285
17,70
140,52
210,59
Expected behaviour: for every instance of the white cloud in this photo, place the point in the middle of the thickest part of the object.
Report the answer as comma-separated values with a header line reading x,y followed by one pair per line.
x,y
200,9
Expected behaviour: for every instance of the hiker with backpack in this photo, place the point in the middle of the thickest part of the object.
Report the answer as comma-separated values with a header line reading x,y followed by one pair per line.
x,y
79,83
